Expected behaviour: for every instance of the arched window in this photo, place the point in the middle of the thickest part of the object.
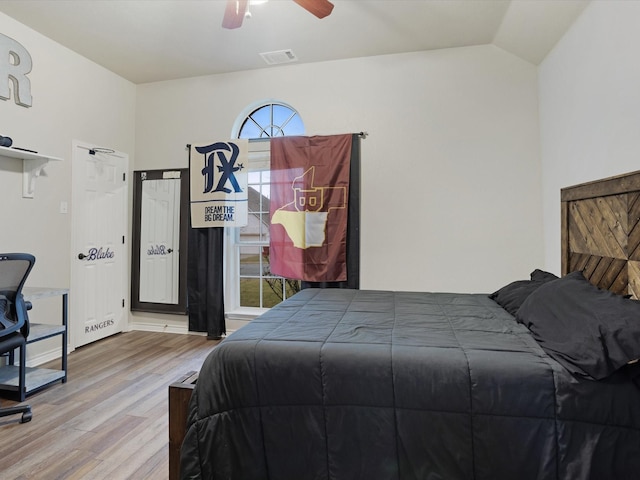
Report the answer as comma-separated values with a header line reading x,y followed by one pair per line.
x,y
250,284
271,120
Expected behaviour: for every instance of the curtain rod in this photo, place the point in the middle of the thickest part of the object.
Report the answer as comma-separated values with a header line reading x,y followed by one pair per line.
x,y
362,135
251,140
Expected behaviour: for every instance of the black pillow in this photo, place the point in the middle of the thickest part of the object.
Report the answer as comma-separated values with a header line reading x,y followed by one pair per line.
x,y
542,276
591,332
511,296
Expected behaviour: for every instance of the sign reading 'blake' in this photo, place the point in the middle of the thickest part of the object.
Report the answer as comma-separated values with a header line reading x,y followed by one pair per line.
x,y
219,178
98,254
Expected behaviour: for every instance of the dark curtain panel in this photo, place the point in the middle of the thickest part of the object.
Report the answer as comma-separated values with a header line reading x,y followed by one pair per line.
x,y
353,226
205,280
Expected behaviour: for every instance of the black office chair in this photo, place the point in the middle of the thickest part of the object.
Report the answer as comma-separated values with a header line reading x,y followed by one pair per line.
x,y
14,321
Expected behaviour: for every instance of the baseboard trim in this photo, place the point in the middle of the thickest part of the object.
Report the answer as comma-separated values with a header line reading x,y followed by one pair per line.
x,y
159,328
232,326
44,357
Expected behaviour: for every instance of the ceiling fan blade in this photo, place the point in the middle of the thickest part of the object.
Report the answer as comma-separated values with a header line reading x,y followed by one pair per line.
x,y
320,8
234,13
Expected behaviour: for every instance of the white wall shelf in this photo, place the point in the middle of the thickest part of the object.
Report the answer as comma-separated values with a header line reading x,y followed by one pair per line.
x,y
32,165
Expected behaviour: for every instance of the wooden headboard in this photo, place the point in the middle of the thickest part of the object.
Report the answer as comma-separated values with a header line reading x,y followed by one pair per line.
x,y
600,232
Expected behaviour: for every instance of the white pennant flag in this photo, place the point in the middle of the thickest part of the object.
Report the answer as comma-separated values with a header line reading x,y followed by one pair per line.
x,y
219,177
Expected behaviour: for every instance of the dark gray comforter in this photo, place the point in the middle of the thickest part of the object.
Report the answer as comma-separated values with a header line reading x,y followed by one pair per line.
x,y
351,384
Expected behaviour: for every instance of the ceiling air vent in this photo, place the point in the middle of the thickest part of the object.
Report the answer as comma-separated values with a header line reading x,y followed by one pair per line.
x,y
279,56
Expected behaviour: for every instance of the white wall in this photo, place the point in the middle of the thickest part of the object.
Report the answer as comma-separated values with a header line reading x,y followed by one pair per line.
x,y
73,98
450,176
450,169
589,107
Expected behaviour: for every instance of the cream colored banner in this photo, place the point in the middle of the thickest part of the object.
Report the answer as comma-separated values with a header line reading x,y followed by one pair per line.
x,y
218,179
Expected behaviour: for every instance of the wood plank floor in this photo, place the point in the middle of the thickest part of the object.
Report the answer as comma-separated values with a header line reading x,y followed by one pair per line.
x,y
110,420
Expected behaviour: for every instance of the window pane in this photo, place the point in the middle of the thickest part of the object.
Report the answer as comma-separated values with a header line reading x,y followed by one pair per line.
x,y
294,127
250,292
292,287
249,130
272,288
281,114
265,190
262,116
254,205
264,230
266,265
250,259
254,178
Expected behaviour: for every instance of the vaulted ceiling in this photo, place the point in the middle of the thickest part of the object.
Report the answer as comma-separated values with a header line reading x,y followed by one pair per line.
x,y
153,40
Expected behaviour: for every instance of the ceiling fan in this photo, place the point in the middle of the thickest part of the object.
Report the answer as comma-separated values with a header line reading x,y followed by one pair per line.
x,y
236,9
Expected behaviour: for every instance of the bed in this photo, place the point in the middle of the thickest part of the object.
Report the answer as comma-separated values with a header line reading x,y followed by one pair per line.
x,y
536,380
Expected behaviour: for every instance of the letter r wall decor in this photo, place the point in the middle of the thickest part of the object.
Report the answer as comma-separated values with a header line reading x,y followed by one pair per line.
x,y
15,65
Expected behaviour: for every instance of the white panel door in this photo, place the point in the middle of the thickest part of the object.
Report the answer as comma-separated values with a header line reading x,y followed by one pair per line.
x,y
99,268
160,238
